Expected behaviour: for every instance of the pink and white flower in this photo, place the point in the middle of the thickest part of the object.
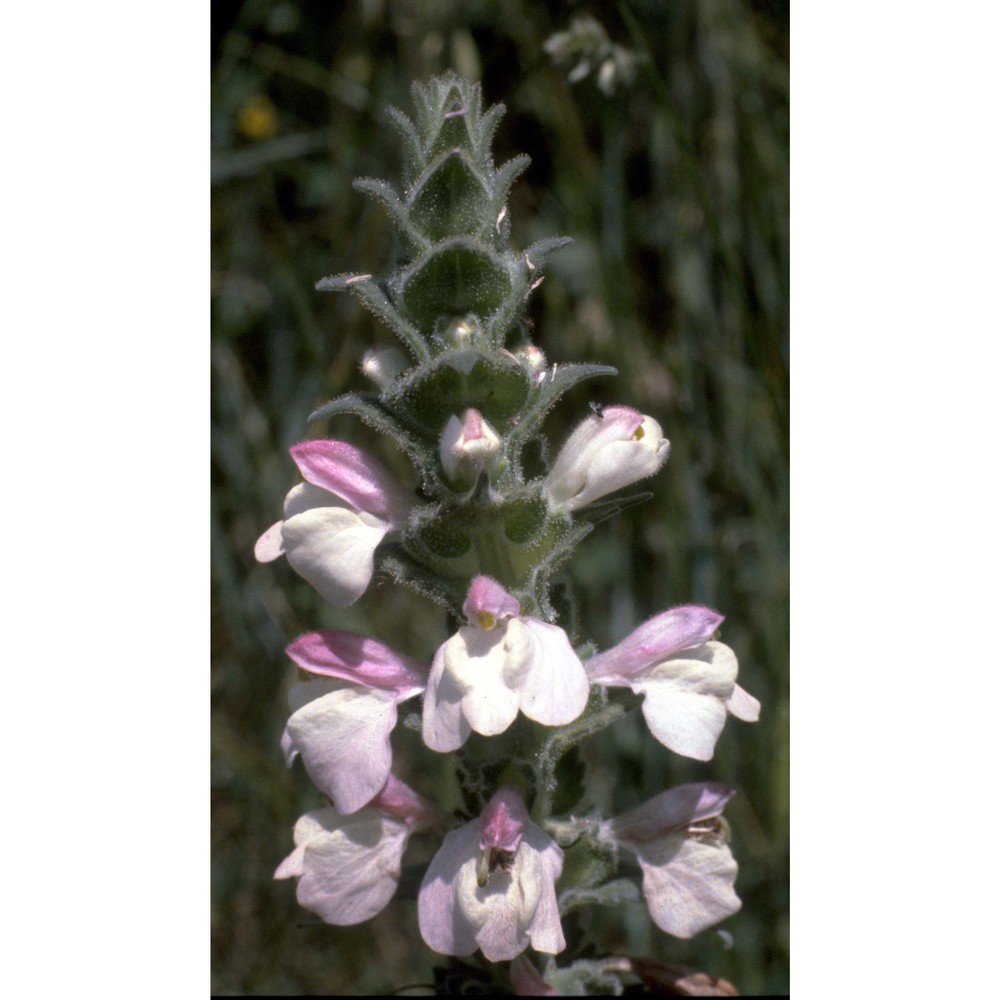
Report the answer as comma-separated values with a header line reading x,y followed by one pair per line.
x,y
497,665
348,866
336,519
341,721
681,845
492,886
688,681
468,447
606,452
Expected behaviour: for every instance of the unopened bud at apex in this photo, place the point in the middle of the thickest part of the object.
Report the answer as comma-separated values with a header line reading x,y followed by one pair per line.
x,y
468,446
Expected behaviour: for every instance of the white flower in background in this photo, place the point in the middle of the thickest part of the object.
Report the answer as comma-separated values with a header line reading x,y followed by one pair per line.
x,y
492,886
341,721
335,520
606,452
687,681
498,664
348,866
680,842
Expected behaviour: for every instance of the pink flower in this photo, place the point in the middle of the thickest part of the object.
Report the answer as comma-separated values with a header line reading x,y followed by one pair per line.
x,y
492,886
605,453
498,664
681,845
348,866
341,721
688,681
336,519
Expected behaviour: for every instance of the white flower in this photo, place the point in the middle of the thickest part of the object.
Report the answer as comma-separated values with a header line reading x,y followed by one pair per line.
x,y
348,866
336,519
606,452
341,721
499,664
492,886
688,682
681,845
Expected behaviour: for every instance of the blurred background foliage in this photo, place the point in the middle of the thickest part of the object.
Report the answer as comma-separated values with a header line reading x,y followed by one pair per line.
x,y
658,133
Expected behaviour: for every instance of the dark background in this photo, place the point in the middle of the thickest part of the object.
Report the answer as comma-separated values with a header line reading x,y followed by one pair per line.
x,y
675,190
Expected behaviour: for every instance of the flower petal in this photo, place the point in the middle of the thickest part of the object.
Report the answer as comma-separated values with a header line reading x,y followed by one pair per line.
x,y
502,910
685,698
443,926
490,667
545,929
688,884
343,737
569,473
556,686
503,821
359,659
333,548
654,640
269,546
288,748
517,904
604,454
305,497
487,597
527,980
670,811
743,705
401,802
445,728
306,827
350,872
349,473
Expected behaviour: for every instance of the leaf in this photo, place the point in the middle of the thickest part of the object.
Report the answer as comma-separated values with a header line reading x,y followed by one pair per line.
x,y
376,414
414,156
382,192
450,199
560,378
366,288
393,559
456,277
453,382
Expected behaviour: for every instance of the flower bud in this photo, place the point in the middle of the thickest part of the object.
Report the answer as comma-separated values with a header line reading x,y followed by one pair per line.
x,y
613,448
459,333
532,356
468,446
383,365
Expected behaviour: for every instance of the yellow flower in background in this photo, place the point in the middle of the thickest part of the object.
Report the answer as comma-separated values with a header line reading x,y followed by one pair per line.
x,y
258,118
